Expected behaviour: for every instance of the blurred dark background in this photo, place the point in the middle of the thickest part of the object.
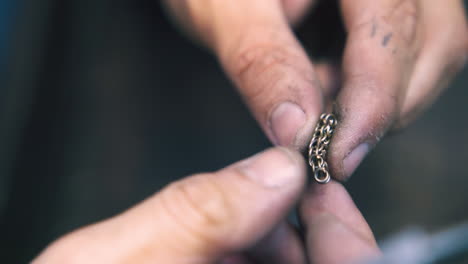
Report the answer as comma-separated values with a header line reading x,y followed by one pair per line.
x,y
103,102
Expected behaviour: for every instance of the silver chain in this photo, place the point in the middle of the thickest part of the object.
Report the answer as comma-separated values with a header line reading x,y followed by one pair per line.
x,y
319,145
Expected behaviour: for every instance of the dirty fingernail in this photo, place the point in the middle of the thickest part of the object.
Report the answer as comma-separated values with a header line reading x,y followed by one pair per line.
x,y
285,122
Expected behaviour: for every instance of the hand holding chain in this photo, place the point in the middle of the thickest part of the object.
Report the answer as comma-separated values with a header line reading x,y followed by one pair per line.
x,y
318,147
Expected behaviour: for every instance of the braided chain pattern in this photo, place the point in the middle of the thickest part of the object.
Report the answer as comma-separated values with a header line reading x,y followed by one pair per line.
x,y
319,145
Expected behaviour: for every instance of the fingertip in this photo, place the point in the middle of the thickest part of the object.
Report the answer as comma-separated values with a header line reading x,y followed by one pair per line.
x,y
291,122
333,199
364,119
327,233
294,157
275,168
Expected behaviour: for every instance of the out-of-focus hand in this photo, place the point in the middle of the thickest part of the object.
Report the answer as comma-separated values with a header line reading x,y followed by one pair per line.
x,y
399,55
227,216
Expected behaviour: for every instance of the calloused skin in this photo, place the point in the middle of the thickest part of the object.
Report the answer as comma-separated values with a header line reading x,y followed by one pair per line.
x,y
230,216
399,56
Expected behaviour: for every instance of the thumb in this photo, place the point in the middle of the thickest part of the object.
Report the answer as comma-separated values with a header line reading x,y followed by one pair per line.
x,y
271,70
197,220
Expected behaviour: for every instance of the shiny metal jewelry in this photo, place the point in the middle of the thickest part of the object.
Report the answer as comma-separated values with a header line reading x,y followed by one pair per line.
x,y
319,145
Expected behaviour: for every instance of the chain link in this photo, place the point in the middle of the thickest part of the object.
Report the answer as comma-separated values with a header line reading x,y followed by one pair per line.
x,y
318,147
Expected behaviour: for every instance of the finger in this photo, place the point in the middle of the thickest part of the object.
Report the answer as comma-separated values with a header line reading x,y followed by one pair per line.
x,y
336,232
271,70
195,16
197,220
383,37
281,245
260,54
442,56
242,204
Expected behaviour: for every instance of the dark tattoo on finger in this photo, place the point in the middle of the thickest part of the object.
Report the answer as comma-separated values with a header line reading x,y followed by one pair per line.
x,y
386,39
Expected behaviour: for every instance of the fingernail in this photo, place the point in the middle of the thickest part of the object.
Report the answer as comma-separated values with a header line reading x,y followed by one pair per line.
x,y
354,158
285,121
273,168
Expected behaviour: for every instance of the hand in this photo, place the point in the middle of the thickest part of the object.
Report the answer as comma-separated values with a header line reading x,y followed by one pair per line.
x,y
227,216
399,56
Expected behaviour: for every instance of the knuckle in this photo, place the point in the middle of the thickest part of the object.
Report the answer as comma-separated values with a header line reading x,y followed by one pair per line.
x,y
405,14
397,21
199,205
265,71
259,59
260,67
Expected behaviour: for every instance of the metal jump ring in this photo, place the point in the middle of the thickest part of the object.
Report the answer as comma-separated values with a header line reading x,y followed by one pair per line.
x,y
322,176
